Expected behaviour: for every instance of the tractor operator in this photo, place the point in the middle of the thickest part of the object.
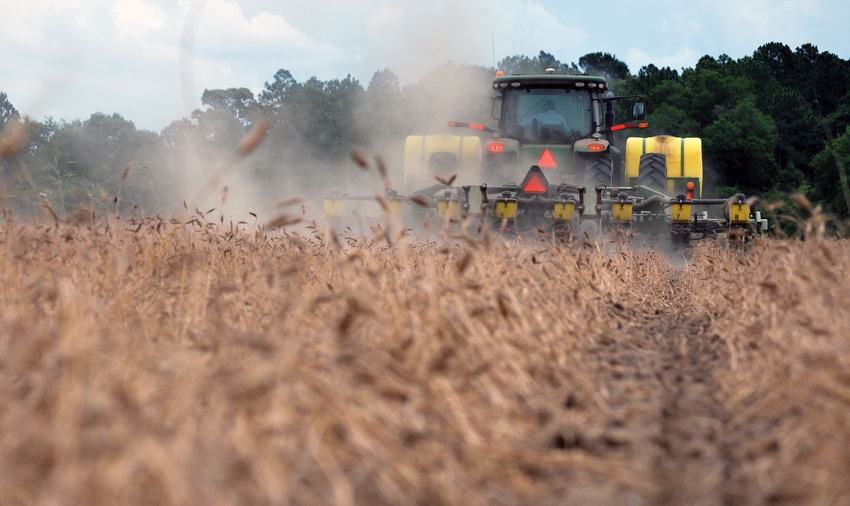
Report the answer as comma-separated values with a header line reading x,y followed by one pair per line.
x,y
549,118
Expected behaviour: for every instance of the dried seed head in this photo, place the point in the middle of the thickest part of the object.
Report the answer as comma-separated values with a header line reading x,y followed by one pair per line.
x,y
284,220
446,182
360,160
253,138
382,167
419,200
290,202
13,139
801,199
464,262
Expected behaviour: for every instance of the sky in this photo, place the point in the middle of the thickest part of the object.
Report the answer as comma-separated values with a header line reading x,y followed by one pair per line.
x,y
150,60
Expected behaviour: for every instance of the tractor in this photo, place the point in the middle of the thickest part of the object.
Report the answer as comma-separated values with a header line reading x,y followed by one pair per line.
x,y
551,165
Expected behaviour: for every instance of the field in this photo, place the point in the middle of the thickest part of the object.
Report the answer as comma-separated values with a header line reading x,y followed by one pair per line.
x,y
205,362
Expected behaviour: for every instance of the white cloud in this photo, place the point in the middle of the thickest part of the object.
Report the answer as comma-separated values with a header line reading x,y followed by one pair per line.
x,y
525,27
387,17
682,57
413,39
225,30
679,27
135,18
757,22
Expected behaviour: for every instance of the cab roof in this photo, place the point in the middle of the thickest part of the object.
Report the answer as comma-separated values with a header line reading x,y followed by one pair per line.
x,y
594,83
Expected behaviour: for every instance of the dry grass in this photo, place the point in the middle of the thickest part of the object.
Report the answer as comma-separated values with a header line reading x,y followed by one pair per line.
x,y
144,362
783,315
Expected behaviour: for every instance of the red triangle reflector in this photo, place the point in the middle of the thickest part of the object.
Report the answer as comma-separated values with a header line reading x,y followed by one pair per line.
x,y
534,185
547,161
535,181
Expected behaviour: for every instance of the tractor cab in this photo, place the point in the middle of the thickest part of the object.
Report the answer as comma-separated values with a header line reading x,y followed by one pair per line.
x,y
555,112
557,122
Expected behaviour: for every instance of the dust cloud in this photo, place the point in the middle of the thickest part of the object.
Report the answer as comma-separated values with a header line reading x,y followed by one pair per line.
x,y
387,112
279,168
188,169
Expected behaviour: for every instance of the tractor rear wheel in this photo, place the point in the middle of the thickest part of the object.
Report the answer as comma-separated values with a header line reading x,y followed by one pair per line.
x,y
598,170
652,171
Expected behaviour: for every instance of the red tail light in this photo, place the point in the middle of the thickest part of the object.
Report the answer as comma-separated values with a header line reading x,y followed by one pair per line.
x,y
596,147
495,147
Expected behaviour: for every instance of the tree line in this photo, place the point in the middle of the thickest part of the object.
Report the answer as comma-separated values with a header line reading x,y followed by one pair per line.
x,y
773,124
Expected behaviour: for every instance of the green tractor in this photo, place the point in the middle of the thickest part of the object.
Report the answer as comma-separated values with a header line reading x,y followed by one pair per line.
x,y
551,164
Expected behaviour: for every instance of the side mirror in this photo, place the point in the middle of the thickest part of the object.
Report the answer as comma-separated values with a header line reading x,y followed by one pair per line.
x,y
638,110
497,108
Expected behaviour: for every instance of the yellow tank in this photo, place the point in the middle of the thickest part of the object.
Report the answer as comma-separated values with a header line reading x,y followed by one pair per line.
x,y
680,212
418,150
684,160
739,213
506,208
335,207
622,211
564,210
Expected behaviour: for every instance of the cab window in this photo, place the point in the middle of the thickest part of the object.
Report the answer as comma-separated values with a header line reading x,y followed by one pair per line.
x,y
546,115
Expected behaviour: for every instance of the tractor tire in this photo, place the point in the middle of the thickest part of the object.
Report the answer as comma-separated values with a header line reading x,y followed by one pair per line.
x,y
598,170
652,171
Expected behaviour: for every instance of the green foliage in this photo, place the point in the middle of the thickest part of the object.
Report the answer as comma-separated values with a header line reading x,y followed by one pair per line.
x,y
651,76
713,91
671,120
537,65
740,145
603,64
7,110
830,181
379,114
237,102
322,111
89,163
